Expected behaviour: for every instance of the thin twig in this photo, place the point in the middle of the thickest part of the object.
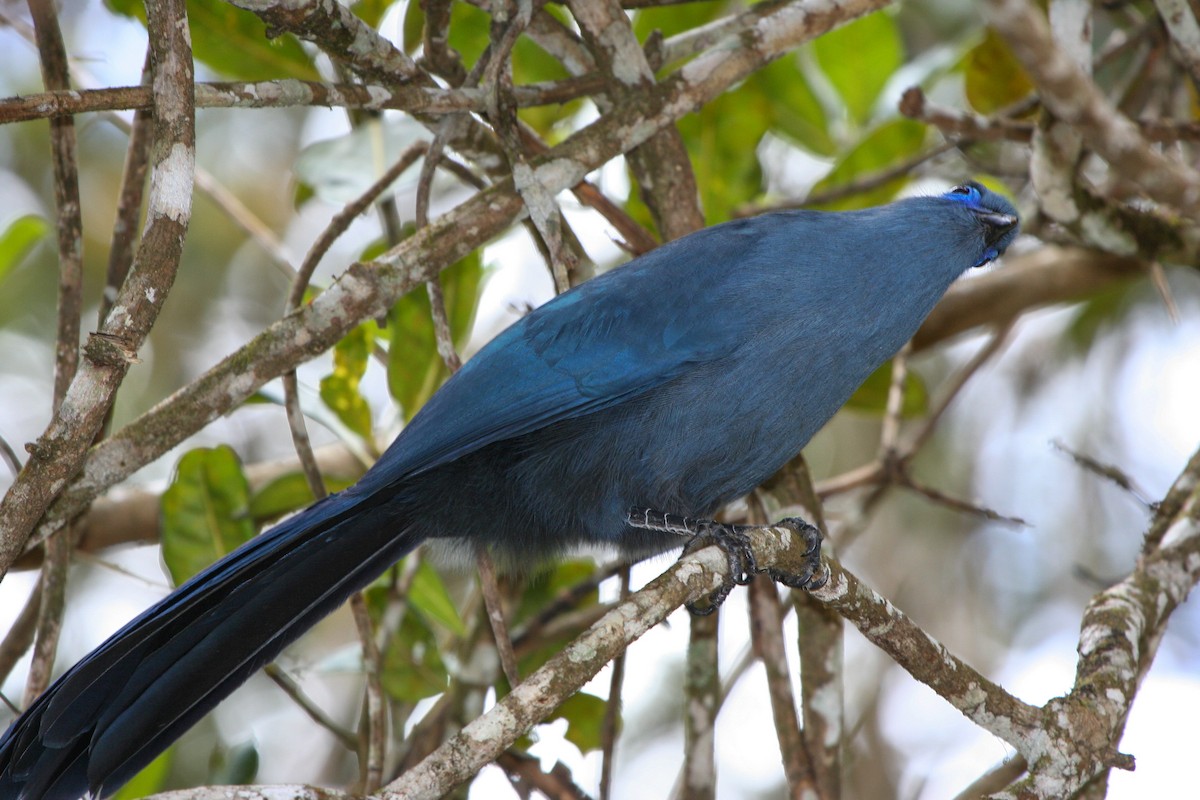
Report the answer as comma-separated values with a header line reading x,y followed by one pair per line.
x,y
1158,278
1109,472
20,635
129,203
994,779
494,605
612,711
955,385
345,738
766,632
889,430
526,772
701,692
376,717
10,457
52,54
820,636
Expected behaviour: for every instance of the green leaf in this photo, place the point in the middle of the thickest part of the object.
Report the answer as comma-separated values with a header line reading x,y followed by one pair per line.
x,y
413,28
288,493
584,714
340,169
151,780
887,145
415,370
722,139
371,11
412,667
428,595
204,511
992,77
795,112
872,395
234,42
544,587
1099,313
340,391
234,765
540,591
859,59
18,240
676,19
532,64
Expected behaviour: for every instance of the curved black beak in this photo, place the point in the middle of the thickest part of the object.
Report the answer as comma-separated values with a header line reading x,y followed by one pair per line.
x,y
997,225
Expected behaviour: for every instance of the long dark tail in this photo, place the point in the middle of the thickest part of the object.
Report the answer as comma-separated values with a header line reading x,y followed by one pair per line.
x,y
119,707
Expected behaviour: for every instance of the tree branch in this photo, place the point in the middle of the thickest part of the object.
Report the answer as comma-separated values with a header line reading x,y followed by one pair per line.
x,y
1075,100
60,451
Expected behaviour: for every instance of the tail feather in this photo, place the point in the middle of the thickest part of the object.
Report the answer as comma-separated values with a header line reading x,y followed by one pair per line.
x,y
112,713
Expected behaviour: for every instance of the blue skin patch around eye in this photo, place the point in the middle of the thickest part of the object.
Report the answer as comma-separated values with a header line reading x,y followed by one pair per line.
x,y
971,195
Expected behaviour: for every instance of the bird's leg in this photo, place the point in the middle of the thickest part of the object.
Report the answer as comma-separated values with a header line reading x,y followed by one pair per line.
x,y
733,541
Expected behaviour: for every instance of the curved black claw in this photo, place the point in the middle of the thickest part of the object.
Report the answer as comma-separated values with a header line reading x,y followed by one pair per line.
x,y
735,544
812,575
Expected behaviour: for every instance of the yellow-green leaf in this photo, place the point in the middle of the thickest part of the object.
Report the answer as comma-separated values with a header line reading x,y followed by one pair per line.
x,y
415,370
412,668
288,493
371,11
872,395
18,239
993,78
234,42
722,139
151,780
795,111
584,714
339,390
204,511
428,595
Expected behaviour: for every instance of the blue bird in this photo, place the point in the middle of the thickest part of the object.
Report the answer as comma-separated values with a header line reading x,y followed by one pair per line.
x,y
621,410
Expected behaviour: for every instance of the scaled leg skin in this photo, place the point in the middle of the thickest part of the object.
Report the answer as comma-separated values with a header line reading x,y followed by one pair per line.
x,y
734,542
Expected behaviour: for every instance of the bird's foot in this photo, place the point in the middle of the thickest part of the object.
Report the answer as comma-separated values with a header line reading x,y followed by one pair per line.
x,y
701,533
735,544
812,574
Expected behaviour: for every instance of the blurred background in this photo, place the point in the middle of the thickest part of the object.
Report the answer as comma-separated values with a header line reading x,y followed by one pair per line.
x,y
1114,377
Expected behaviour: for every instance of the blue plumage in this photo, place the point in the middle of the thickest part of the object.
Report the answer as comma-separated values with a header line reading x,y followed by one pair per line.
x,y
675,383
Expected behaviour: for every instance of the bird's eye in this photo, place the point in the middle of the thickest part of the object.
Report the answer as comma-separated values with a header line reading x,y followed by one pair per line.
x,y
965,193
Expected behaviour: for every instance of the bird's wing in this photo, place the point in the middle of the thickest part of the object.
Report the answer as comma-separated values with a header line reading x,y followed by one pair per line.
x,y
605,341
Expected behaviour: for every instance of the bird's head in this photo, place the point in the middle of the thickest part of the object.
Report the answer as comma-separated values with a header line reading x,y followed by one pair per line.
x,y
994,214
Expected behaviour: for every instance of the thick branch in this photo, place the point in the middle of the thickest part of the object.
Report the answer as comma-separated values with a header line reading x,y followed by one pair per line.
x,y
1119,637
979,699
60,451
1075,99
1044,277
289,92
